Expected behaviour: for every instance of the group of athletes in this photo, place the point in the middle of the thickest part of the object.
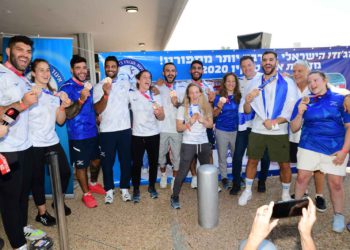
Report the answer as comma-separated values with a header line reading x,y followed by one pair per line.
x,y
272,116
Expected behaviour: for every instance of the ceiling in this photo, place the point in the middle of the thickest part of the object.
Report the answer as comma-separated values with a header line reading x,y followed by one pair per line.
x,y
111,27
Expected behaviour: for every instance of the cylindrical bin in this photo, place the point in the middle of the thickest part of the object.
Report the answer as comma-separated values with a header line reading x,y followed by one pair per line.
x,y
208,198
58,199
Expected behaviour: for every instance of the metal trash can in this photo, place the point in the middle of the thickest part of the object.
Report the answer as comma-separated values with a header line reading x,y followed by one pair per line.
x,y
208,197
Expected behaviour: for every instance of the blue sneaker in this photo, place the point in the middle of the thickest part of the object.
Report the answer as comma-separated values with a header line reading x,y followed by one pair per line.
x,y
136,196
348,226
175,202
338,223
153,192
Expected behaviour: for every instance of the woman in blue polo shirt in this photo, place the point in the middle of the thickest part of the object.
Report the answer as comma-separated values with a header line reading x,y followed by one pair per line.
x,y
226,125
324,142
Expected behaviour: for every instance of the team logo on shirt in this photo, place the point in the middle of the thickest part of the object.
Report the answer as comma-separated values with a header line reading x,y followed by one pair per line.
x,y
333,103
128,69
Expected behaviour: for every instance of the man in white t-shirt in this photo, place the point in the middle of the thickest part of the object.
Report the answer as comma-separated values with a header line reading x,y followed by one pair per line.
x,y
111,103
15,147
272,98
245,123
172,94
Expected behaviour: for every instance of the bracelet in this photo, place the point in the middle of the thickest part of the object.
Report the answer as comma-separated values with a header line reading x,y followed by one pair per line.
x,y
105,97
80,101
22,105
344,150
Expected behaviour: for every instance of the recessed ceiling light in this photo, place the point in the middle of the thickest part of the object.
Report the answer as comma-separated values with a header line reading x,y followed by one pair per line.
x,y
131,9
142,44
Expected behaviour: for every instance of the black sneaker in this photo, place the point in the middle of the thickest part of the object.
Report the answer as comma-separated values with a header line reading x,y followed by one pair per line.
x,y
153,192
320,204
67,210
235,188
2,243
225,183
46,219
136,196
42,244
175,202
261,186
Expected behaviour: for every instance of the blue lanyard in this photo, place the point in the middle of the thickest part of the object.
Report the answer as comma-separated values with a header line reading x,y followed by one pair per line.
x,y
264,83
190,109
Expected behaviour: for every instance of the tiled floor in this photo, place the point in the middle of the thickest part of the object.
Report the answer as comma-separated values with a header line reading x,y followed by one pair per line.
x,y
152,224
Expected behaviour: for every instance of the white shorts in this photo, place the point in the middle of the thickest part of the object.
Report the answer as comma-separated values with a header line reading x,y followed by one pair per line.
x,y
313,161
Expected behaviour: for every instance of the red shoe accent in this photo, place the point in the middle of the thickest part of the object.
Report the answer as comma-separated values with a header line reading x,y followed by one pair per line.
x,y
89,200
97,189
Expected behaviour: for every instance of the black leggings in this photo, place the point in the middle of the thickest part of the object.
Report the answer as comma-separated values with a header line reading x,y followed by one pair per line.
x,y
139,145
14,192
38,175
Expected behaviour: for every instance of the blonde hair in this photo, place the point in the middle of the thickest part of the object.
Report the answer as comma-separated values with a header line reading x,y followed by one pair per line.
x,y
204,105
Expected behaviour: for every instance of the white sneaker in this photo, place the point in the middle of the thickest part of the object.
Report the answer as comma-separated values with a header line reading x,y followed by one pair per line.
x,y
219,189
125,195
244,198
33,234
172,183
163,180
194,182
286,197
109,196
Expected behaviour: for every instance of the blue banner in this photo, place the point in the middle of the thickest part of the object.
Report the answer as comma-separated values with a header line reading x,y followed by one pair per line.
x,y
58,52
332,60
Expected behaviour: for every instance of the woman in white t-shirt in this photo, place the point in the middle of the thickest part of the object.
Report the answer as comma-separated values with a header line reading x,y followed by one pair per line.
x,y
193,119
147,110
42,120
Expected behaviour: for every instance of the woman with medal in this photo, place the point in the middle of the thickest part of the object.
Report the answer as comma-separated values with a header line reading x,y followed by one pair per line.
x,y
42,120
147,110
324,142
226,124
193,118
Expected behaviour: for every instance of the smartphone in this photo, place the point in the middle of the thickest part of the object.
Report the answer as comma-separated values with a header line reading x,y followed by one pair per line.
x,y
284,209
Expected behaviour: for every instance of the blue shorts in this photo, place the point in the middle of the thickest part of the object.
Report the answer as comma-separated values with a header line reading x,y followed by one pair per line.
x,y
84,151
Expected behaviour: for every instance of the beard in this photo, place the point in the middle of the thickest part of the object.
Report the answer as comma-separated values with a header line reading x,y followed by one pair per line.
x,y
168,80
196,78
111,74
78,78
13,61
272,70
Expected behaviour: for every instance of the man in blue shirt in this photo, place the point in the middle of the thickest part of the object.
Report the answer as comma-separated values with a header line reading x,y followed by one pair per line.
x,y
82,130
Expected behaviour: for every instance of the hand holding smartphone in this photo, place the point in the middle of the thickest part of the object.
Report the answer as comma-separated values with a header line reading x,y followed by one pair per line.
x,y
284,209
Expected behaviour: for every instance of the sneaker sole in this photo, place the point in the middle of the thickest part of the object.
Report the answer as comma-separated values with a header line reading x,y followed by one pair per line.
x,y
338,231
33,238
